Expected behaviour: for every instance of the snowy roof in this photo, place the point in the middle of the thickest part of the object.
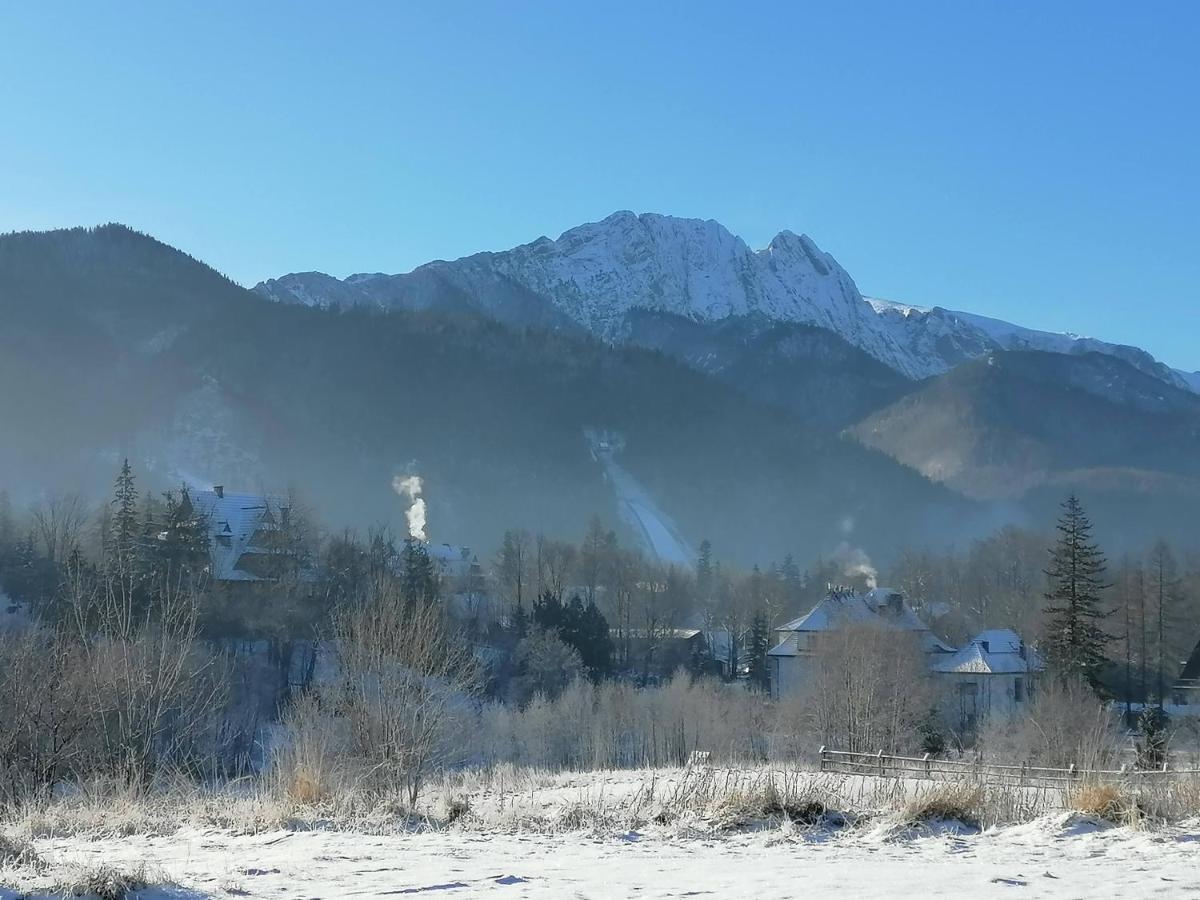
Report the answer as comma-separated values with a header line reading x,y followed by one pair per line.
x,y
451,561
838,608
447,552
233,520
998,651
1191,669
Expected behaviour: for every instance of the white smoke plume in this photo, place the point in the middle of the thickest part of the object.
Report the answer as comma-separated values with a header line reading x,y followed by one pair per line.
x,y
856,564
410,486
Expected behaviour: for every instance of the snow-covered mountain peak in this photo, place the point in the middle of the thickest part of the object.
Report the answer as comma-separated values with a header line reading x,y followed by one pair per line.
x,y
595,275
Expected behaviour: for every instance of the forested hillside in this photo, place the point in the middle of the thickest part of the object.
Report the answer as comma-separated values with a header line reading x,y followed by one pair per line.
x,y
128,347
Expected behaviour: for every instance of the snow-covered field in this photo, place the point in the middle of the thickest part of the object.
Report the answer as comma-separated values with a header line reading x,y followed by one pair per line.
x,y
1048,858
571,836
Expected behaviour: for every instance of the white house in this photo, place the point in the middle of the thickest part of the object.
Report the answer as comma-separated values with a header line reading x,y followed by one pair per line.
x,y
791,660
991,676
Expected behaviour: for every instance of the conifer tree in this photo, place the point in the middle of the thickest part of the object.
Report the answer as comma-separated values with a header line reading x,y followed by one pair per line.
x,y
1074,641
758,643
124,528
704,572
519,620
175,540
418,579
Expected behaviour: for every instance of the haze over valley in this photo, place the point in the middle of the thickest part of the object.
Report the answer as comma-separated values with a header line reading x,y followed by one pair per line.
x,y
763,403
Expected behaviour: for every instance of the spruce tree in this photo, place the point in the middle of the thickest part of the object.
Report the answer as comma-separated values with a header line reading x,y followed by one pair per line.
x,y
704,571
419,583
1074,641
519,620
759,642
124,529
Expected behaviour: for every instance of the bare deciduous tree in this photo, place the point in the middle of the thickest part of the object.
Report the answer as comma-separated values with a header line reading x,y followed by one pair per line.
x,y
1066,724
59,522
405,676
870,689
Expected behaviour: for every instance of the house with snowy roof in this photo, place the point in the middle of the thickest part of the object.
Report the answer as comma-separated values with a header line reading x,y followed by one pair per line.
x,y
247,535
991,677
791,660
453,562
1186,690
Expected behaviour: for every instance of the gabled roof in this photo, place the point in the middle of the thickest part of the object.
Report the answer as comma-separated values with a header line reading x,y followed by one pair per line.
x,y
881,606
839,608
235,519
998,651
1191,668
786,647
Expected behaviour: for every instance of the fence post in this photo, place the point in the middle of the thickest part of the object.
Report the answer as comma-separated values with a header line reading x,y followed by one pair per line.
x,y
1071,772
1021,777
821,753
926,761
880,755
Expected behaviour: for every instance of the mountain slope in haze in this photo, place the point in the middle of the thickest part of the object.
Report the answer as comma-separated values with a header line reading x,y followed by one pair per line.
x,y
1019,421
808,371
88,314
124,346
597,276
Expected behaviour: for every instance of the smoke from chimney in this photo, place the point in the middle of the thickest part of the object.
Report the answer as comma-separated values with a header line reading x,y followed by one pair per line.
x,y
410,486
856,564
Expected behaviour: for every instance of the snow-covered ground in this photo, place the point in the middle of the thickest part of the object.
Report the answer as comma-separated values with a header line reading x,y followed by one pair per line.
x,y
648,833
1052,857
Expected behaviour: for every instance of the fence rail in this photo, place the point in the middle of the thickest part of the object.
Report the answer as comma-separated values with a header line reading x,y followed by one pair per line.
x,y
930,768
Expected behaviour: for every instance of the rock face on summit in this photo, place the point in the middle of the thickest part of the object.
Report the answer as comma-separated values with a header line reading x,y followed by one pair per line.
x,y
596,276
593,276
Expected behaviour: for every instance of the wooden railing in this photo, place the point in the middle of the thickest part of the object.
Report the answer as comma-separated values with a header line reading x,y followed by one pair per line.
x,y
932,768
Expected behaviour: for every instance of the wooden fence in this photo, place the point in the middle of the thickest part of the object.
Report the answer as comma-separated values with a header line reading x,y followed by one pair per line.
x,y
932,768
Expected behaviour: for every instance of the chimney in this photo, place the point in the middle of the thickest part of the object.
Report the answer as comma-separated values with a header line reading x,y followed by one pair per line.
x,y
219,490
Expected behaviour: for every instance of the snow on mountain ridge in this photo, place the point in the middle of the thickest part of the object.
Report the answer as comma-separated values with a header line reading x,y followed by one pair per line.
x,y
971,328
594,275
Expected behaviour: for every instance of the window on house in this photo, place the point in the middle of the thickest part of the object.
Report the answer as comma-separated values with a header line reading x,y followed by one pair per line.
x,y
1019,690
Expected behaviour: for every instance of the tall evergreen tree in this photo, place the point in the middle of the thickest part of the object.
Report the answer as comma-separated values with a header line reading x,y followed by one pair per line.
x,y
1074,640
519,620
419,583
757,645
124,529
177,545
704,572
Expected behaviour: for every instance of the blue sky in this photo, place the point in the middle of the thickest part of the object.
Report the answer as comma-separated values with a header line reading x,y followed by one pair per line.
x,y
1032,161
